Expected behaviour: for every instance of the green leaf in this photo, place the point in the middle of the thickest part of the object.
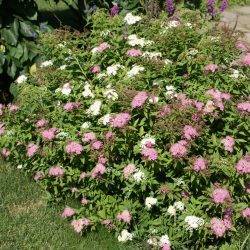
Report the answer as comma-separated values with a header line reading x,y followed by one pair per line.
x,y
11,70
9,36
26,29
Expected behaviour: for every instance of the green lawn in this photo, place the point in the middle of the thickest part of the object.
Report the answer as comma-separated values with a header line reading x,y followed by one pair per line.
x,y
27,222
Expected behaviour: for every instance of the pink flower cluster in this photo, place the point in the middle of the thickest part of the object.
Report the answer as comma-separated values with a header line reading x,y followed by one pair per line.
x,y
74,148
98,170
189,132
32,149
246,59
165,110
149,153
124,216
96,145
13,107
219,227
228,143
68,212
241,46
134,52
128,170
220,195
56,171
211,68
89,137
80,224
102,47
218,97
95,69
166,247
179,149
2,128
70,106
5,152
41,123
243,165
244,107
120,120
246,213
200,164
49,134
139,99
84,201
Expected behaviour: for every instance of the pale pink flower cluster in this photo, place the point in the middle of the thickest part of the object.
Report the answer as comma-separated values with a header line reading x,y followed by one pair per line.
x,y
32,149
200,164
179,149
83,175
84,201
74,148
41,123
13,107
190,132
70,106
39,176
102,159
228,143
218,97
149,153
244,107
124,216
5,152
246,59
184,100
165,110
56,171
166,247
98,170
243,165
246,213
2,128
80,224
96,145
211,68
102,47
241,46
68,212
220,195
120,120
139,99
219,227
128,170
109,136
89,137
95,69
49,134
134,52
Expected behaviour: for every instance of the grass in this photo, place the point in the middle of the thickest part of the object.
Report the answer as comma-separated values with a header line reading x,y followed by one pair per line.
x,y
27,222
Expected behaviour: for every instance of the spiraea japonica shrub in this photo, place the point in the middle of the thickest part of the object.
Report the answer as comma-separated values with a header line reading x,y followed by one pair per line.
x,y
145,123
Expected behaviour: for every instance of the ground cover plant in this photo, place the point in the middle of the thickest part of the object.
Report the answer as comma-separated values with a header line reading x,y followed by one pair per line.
x,y
144,123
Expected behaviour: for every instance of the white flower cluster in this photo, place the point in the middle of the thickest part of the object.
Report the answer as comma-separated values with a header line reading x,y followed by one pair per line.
x,y
131,19
150,201
112,70
46,64
163,240
152,55
177,206
110,93
125,236
21,79
138,176
105,119
171,92
135,70
134,40
95,108
66,89
147,140
63,67
167,61
87,91
86,125
194,222
235,74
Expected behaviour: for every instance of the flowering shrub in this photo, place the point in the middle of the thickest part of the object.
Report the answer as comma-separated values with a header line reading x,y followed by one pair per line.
x,y
144,122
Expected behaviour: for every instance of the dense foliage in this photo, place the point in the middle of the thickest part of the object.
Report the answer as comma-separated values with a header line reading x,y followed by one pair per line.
x,y
144,123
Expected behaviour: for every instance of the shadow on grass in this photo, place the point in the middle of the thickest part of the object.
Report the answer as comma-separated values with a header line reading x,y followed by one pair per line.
x,y
27,222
